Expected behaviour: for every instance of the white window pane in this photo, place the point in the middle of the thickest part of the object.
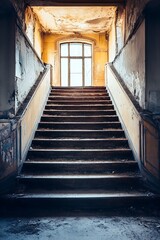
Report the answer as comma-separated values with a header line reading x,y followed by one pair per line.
x,y
88,71
87,50
64,49
76,72
76,80
76,49
64,72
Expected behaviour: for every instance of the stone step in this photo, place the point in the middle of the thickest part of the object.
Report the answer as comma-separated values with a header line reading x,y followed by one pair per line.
x,y
80,143
78,89
78,112
85,182
103,118
48,204
79,93
78,134
82,167
79,98
78,102
80,106
78,154
80,125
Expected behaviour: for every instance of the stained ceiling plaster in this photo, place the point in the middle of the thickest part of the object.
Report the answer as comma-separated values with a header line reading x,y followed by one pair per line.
x,y
68,20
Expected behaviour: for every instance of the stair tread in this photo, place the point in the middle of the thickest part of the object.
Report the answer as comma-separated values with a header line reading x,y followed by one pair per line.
x,y
92,123
82,162
81,130
79,176
80,116
50,110
96,194
82,150
84,87
79,139
82,105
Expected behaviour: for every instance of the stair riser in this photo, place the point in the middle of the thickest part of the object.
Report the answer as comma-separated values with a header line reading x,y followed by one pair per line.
x,y
79,155
79,113
80,92
45,184
64,168
80,98
76,126
79,134
77,91
79,95
81,107
79,119
78,102
44,207
80,144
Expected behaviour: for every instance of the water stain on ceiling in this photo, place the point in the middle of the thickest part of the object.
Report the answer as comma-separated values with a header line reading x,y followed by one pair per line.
x,y
67,20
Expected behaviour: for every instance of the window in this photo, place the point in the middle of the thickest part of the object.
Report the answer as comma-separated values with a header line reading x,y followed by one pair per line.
x,y
76,64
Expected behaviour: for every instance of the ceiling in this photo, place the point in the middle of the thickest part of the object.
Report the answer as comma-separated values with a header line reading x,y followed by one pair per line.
x,y
68,20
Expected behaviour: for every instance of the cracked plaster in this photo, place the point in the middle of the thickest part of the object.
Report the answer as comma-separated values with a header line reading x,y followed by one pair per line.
x,y
68,20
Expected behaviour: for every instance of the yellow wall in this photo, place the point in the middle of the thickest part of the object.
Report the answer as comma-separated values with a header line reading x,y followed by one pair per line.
x,y
31,116
34,31
100,54
129,116
38,39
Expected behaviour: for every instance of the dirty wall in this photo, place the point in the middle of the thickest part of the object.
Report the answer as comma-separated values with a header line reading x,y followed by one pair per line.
x,y
130,59
28,68
20,67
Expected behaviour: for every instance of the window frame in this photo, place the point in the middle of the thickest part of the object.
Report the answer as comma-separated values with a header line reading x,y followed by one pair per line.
x,y
83,57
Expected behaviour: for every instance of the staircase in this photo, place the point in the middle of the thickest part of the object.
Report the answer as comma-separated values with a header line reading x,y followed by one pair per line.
x,y
79,158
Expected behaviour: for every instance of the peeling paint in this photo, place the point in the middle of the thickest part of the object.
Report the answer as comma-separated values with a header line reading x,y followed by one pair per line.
x,y
75,19
7,149
130,64
28,68
134,9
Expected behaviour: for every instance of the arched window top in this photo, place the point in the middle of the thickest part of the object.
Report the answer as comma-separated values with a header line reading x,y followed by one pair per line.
x,y
78,49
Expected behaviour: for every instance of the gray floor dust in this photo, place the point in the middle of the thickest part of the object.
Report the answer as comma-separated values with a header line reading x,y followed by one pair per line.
x,y
80,228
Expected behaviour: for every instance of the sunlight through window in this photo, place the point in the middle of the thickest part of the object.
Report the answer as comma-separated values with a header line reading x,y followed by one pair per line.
x,y
76,64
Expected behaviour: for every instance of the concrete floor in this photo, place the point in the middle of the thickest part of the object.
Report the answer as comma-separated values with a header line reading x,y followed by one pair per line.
x,y
80,228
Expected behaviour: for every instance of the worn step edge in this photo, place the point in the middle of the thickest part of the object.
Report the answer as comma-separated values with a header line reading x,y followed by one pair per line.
x,y
64,195
81,123
74,111
119,176
81,116
80,101
81,150
80,140
82,162
81,88
82,130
